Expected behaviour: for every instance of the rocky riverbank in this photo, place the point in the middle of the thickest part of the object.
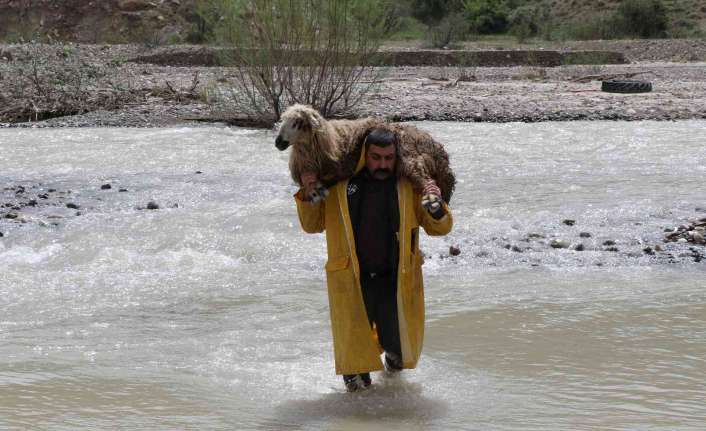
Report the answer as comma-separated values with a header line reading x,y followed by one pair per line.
x,y
133,94
33,205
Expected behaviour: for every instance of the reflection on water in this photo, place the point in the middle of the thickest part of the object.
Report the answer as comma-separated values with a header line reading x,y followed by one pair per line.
x,y
211,312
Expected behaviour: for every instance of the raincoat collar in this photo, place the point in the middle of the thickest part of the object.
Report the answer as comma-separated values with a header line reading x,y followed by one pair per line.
x,y
361,161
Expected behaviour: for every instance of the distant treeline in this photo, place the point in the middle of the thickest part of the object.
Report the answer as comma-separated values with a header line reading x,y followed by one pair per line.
x,y
443,23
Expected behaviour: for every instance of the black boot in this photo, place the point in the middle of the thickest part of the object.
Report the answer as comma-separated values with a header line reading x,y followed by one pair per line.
x,y
356,382
393,363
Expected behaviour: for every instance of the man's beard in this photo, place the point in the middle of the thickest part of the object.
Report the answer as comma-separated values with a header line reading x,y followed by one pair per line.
x,y
381,174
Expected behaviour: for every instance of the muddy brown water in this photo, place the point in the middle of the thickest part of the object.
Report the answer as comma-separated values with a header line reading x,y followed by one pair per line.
x,y
213,314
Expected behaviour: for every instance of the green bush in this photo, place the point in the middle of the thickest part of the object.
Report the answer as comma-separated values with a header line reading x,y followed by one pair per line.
x,y
530,21
408,28
599,26
642,18
685,29
432,12
448,33
487,16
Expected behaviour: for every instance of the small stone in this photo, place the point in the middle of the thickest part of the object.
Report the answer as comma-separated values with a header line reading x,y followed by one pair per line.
x,y
72,205
612,249
585,235
106,187
51,190
682,240
32,203
199,172
648,250
43,196
673,235
580,247
658,247
559,243
11,216
122,190
609,242
535,236
454,251
152,205
569,222
516,249
2,234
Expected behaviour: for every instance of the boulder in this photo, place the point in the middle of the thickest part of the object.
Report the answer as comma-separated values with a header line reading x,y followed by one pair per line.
x,y
558,243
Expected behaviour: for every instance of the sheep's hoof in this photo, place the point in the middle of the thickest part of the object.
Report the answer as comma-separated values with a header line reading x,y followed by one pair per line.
x,y
318,194
431,202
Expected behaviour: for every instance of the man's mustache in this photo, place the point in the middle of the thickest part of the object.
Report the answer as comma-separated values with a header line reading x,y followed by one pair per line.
x,y
382,170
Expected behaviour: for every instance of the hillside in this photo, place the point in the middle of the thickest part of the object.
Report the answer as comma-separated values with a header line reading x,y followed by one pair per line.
x,y
681,12
175,21
104,21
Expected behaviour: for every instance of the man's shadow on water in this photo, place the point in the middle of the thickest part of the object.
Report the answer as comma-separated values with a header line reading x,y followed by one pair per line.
x,y
389,398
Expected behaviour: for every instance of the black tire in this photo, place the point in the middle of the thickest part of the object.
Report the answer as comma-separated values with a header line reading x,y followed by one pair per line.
x,y
626,86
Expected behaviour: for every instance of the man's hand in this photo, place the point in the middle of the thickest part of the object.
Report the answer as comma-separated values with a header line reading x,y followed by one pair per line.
x,y
431,199
309,181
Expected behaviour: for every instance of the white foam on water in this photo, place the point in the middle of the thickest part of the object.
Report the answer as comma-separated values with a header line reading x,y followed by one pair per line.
x,y
20,255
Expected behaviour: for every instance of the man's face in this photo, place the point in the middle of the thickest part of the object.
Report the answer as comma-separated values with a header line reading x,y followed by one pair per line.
x,y
380,161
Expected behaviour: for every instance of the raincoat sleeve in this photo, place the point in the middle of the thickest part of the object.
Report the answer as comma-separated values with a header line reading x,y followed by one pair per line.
x,y
432,226
311,216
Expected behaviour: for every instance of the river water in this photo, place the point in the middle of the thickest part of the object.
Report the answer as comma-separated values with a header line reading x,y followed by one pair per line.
x,y
211,312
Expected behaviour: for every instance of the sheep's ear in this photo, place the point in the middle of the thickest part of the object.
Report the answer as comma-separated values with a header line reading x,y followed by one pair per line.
x,y
313,121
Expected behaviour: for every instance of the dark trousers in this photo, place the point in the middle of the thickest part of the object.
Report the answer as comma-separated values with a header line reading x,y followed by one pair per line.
x,y
380,296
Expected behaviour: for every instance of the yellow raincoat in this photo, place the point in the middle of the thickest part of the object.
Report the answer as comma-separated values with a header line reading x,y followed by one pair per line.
x,y
356,348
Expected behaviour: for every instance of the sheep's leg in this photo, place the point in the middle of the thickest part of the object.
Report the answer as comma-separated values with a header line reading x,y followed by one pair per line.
x,y
319,193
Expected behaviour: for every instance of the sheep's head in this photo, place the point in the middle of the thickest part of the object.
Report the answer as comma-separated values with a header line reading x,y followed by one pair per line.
x,y
299,122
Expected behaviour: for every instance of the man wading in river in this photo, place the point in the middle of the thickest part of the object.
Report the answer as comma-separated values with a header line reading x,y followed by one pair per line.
x,y
374,268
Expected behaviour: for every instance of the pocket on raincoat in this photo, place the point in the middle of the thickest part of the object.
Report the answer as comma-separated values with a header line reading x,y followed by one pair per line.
x,y
340,279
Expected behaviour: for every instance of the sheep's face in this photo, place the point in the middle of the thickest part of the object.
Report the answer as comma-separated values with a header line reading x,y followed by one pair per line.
x,y
298,124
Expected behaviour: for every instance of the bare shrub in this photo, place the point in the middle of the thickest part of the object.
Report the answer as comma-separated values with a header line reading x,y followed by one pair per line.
x,y
52,80
314,52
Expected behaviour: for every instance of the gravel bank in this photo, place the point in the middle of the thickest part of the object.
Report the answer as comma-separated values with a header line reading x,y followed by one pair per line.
x,y
487,94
